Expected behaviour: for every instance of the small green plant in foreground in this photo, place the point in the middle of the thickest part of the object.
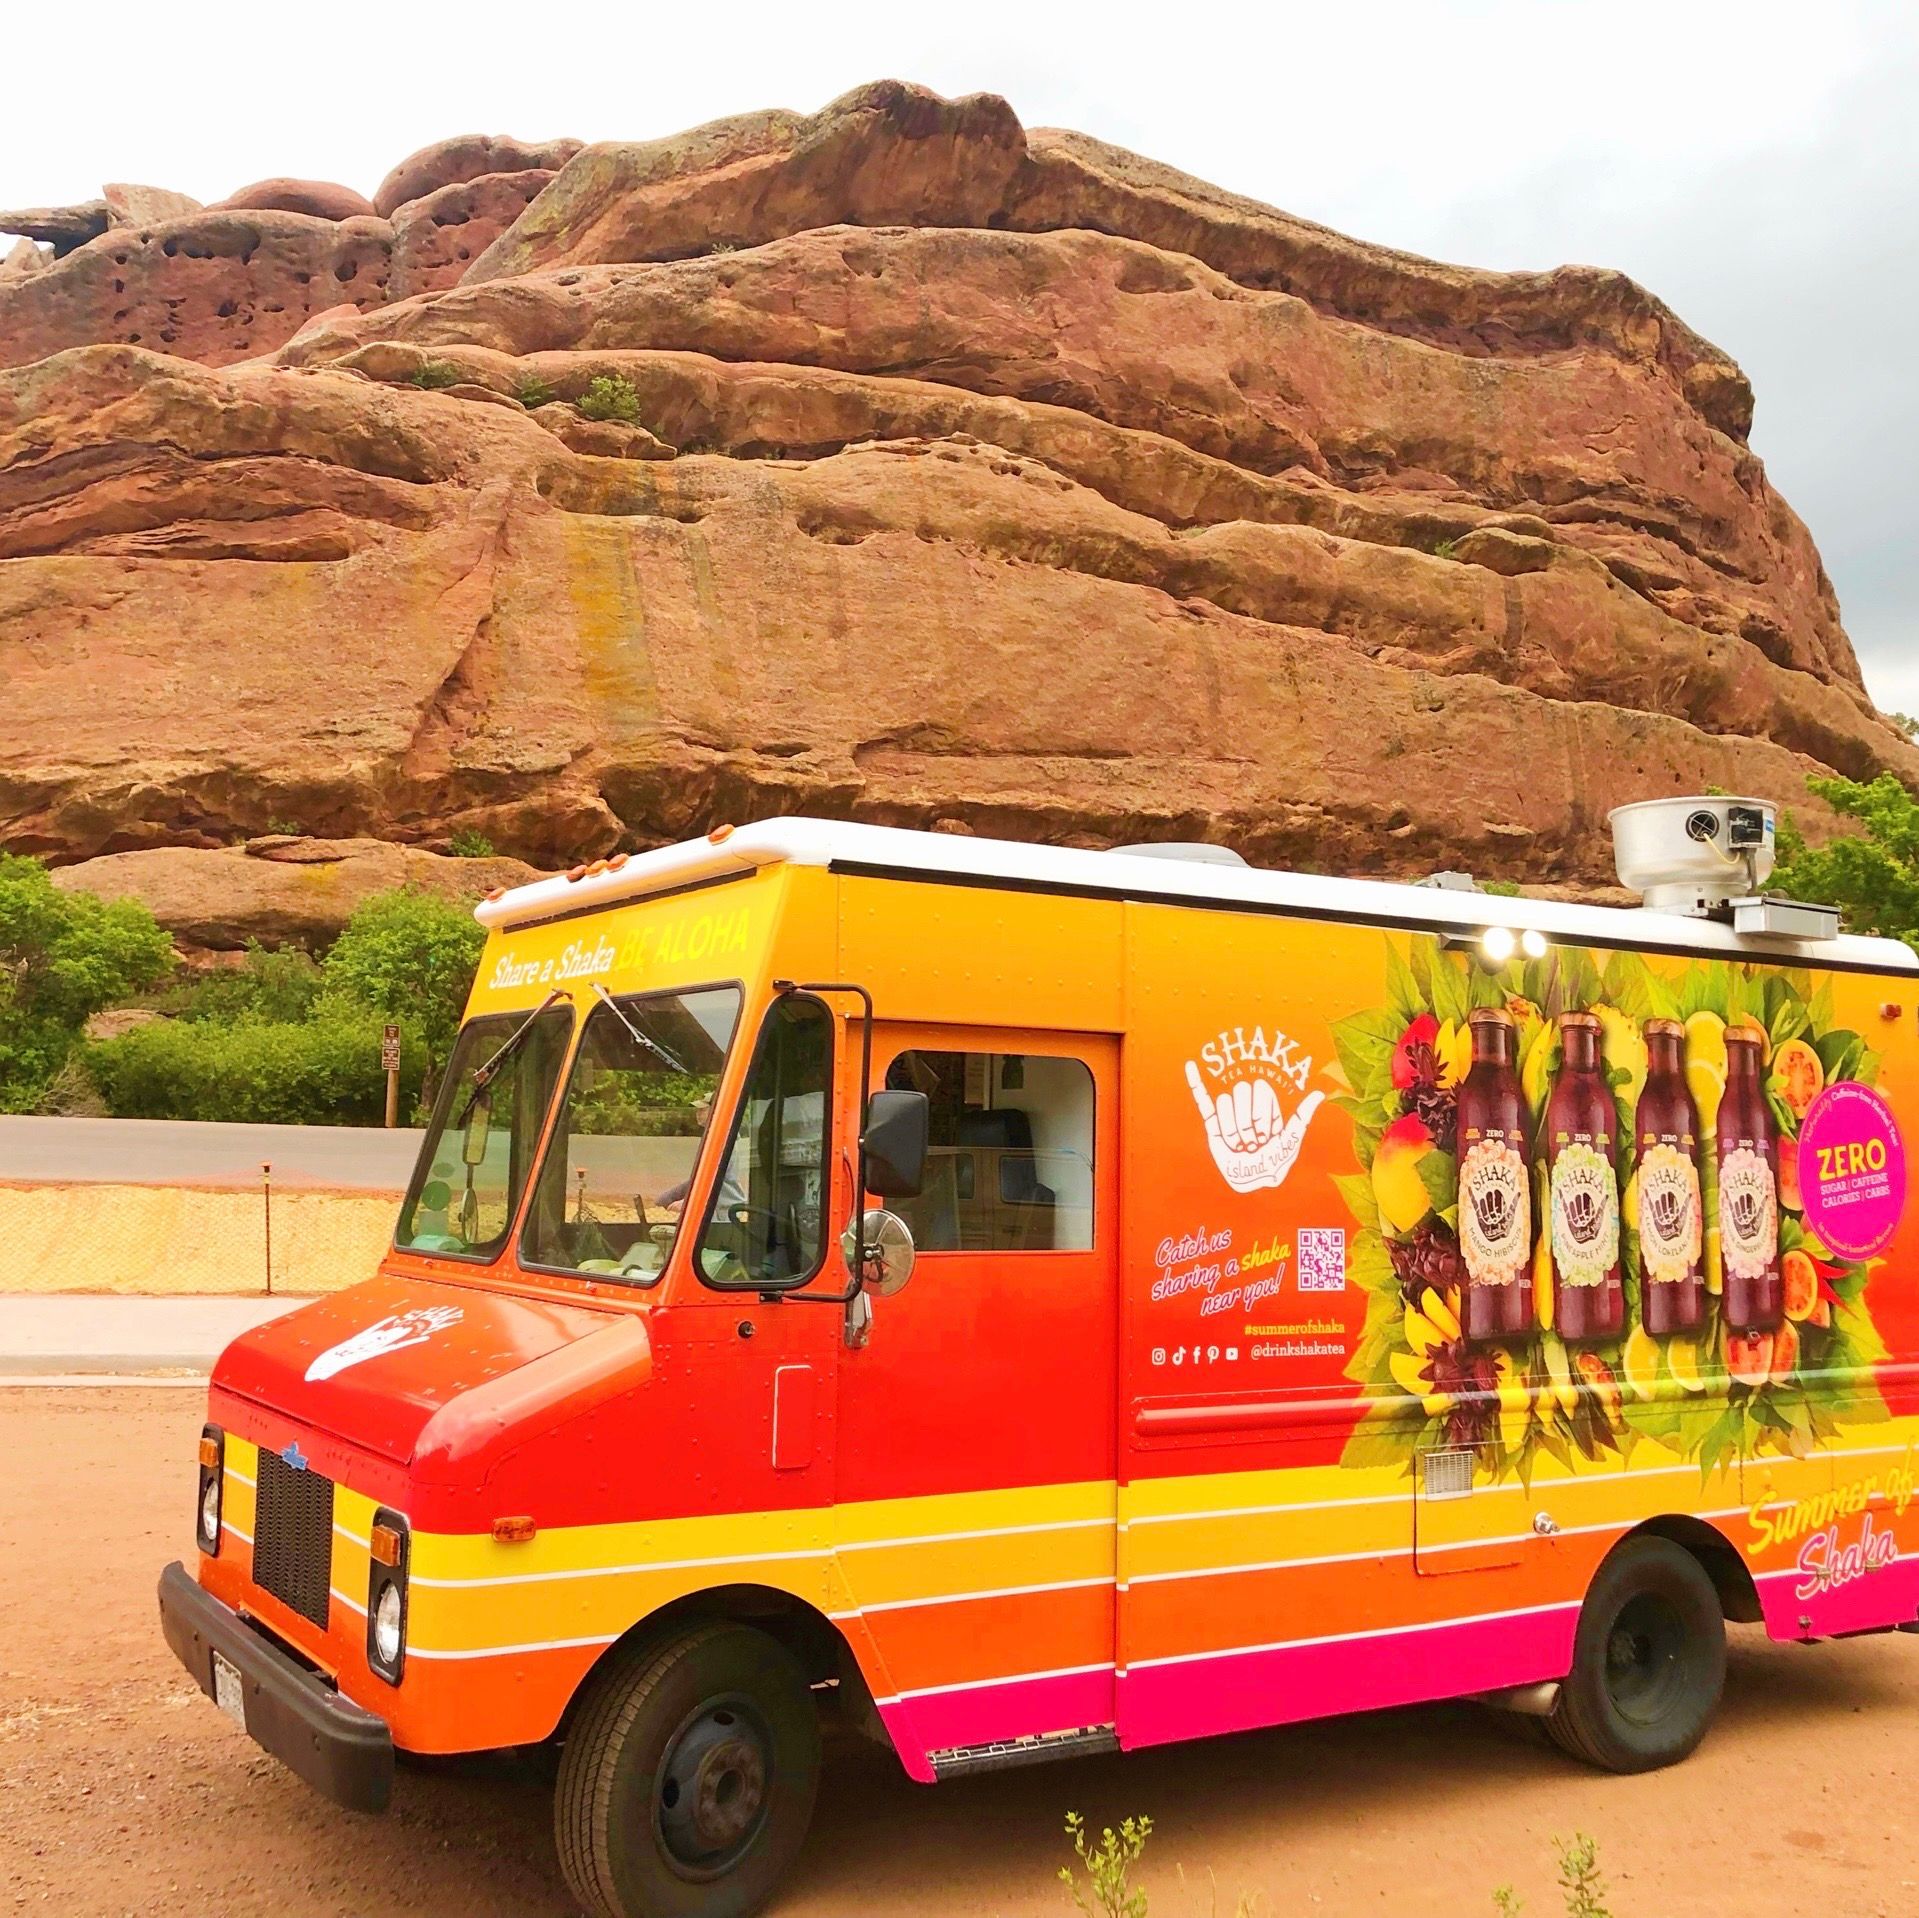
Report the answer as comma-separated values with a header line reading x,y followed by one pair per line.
x,y
609,396
469,844
533,392
1579,1878
1108,1864
432,375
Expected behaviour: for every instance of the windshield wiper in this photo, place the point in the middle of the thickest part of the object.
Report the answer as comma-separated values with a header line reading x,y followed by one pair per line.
x,y
483,1075
652,1045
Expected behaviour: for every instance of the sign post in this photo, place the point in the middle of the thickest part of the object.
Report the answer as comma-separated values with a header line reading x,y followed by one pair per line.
x,y
390,1065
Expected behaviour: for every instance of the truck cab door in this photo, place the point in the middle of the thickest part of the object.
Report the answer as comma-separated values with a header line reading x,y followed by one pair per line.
x,y
976,1432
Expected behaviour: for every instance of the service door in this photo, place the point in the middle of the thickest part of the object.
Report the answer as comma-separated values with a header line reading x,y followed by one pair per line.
x,y
976,1443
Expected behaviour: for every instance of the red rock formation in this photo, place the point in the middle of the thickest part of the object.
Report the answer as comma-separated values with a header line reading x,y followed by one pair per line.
x,y
318,199
470,157
974,478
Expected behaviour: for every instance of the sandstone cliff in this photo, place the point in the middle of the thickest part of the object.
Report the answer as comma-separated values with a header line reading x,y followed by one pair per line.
x,y
977,477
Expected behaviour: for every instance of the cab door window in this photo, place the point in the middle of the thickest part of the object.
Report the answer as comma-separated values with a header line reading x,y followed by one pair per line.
x,y
1010,1165
766,1221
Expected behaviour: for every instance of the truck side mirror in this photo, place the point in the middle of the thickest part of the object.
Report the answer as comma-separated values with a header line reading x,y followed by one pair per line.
x,y
895,1140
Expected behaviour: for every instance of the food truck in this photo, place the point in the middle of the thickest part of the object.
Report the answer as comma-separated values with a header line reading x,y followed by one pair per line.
x,y
1011,1302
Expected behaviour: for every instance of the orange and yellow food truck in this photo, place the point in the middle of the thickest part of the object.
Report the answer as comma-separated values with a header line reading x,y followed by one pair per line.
x,y
1324,1295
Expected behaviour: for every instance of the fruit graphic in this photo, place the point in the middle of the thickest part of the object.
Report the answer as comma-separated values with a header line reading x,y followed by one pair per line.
x,y
1407,1062
1684,1356
1397,1187
1540,1063
1542,1259
1706,1065
1559,1368
1749,1356
1797,1075
1454,1051
1623,1050
1641,1360
1715,1261
1758,1031
1785,1354
1526,1020
1599,1380
1801,1279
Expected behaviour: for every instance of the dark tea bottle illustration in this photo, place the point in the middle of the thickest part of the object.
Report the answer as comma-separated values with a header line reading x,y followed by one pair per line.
x,y
1672,1226
1495,1186
1748,1192
1582,1155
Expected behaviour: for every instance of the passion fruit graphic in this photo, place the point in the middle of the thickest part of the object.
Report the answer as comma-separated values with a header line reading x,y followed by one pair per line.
x,y
1801,1278
1749,1357
1797,1075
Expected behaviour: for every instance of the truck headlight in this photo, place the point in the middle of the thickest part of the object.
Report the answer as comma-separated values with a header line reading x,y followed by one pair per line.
x,y
389,1547
386,1626
213,1455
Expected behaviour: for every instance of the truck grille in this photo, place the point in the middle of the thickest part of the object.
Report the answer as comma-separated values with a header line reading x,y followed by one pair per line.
x,y
293,1536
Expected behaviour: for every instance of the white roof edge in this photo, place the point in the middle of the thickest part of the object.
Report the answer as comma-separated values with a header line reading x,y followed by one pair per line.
x,y
821,842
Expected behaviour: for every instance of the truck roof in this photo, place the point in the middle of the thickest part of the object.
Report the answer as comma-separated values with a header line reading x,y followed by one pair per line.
x,y
959,859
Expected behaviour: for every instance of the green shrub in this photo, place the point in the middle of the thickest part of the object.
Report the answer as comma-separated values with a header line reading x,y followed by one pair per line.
x,y
319,1071
533,392
1872,877
468,844
435,374
63,957
277,988
609,396
408,957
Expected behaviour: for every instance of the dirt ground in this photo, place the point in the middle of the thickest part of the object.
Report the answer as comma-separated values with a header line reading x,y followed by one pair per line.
x,y
123,1791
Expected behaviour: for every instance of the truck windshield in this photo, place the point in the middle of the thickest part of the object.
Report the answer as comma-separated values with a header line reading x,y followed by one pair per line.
x,y
479,1147
617,1174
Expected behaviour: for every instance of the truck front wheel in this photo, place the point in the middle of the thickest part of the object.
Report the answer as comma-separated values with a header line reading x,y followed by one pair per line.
x,y
687,1778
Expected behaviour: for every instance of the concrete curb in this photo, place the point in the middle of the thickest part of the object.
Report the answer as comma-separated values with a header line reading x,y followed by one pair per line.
x,y
68,1335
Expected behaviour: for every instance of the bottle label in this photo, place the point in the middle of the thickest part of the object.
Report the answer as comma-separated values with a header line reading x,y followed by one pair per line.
x,y
1748,1212
1495,1211
1671,1215
1585,1226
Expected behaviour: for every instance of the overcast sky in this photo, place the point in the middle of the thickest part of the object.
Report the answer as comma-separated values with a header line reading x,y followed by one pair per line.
x,y
1757,166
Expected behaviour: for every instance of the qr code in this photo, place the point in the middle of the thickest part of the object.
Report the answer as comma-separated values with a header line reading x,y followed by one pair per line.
x,y
1322,1258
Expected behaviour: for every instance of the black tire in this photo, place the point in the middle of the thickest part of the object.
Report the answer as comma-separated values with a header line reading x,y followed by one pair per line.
x,y
687,1778
1649,1661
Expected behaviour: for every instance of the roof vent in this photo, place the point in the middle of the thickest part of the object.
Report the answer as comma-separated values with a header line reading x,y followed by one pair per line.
x,y
1194,850
1708,858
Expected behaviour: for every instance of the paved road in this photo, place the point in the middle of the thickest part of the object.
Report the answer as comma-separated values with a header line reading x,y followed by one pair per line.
x,y
125,1791
170,1152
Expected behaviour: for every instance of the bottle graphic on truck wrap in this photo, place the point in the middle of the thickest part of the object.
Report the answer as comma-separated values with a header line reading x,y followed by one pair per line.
x,y
1672,1291
1582,1156
1495,1186
1754,1298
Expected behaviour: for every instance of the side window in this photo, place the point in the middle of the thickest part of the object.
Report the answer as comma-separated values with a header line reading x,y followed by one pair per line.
x,y
766,1224
1010,1167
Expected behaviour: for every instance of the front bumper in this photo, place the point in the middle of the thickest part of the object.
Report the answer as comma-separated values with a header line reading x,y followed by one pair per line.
x,y
291,1712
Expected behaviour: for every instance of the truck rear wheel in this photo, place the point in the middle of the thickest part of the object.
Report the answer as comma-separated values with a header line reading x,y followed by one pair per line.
x,y
687,1779
1649,1661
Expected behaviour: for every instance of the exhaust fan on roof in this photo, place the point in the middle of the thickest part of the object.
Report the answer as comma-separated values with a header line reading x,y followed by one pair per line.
x,y
1708,857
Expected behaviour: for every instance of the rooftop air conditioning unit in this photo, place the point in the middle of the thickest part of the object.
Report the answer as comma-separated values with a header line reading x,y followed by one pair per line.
x,y
1709,858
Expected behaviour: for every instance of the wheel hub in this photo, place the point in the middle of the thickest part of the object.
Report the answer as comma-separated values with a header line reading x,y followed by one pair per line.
x,y
1643,1659
713,1788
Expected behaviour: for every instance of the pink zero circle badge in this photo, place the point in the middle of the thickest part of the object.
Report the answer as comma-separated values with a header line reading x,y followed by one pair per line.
x,y
1852,1170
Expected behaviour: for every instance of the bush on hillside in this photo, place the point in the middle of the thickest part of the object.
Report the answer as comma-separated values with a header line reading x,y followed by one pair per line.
x,y
324,1070
63,957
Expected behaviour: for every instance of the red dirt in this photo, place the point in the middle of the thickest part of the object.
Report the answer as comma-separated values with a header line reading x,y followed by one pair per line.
x,y
125,1791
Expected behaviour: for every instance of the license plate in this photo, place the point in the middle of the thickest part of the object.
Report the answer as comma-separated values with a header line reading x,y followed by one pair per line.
x,y
227,1691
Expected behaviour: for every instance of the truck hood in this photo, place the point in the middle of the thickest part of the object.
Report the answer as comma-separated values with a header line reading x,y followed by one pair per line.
x,y
375,1364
